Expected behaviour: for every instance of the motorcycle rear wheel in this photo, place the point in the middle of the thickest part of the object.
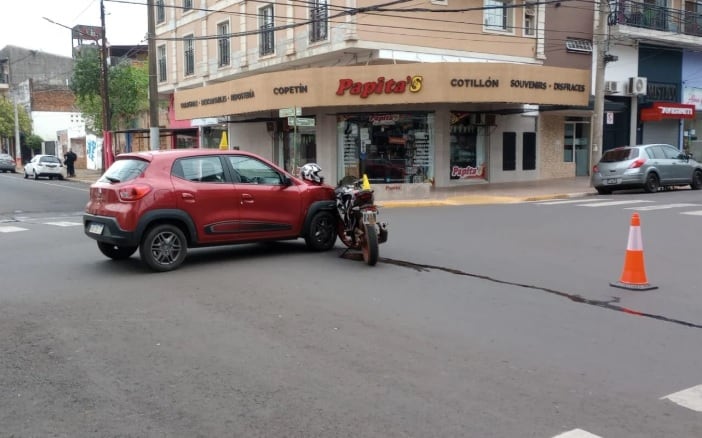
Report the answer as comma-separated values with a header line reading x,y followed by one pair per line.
x,y
369,245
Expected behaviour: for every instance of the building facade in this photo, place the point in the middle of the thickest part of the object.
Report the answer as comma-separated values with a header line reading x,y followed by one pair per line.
x,y
656,73
432,94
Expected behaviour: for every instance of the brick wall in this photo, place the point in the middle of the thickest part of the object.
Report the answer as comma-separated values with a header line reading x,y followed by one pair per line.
x,y
53,100
551,134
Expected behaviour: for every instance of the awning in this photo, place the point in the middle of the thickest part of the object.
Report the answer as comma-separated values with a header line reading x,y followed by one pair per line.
x,y
667,110
609,106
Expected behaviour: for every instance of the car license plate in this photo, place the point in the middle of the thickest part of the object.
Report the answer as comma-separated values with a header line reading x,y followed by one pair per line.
x,y
369,217
613,181
95,228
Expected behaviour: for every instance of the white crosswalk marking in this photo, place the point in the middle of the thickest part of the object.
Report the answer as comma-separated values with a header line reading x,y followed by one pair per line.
x,y
693,213
661,207
690,398
612,203
63,224
577,433
572,201
11,229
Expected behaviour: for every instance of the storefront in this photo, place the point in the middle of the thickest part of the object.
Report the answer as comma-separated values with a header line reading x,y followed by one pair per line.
x,y
424,125
387,147
663,120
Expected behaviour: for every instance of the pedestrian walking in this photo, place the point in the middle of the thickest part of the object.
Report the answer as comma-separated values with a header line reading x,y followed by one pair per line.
x,y
69,159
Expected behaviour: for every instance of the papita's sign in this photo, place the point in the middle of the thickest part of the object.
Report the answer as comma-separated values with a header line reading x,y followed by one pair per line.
x,y
379,86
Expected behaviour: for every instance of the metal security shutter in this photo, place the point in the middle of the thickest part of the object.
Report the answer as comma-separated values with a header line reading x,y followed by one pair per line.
x,y
665,131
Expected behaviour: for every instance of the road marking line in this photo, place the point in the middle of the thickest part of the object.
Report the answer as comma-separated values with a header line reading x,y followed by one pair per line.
x,y
661,207
11,229
63,224
690,398
693,213
572,201
611,203
577,433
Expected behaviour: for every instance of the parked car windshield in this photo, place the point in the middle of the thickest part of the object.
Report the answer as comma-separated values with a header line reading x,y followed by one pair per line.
x,y
124,170
623,154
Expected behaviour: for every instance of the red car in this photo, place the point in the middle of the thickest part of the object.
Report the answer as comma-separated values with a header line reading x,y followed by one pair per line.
x,y
164,202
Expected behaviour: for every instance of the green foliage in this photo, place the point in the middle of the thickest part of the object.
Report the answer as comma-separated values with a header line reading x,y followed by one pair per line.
x,y
7,119
33,142
128,90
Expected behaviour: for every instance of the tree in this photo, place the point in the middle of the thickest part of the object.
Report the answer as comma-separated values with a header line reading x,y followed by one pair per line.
x,y
128,87
33,143
7,119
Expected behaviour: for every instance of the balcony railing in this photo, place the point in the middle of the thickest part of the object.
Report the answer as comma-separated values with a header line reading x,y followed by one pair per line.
x,y
647,16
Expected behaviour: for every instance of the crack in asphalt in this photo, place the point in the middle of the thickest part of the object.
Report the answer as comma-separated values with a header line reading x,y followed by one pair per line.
x,y
610,305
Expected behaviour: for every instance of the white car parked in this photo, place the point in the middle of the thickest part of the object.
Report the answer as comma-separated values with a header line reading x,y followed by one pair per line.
x,y
45,166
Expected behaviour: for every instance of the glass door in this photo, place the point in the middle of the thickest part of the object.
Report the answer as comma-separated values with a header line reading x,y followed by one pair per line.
x,y
576,146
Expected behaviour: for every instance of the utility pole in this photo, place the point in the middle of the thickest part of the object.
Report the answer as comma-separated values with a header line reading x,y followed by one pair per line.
x,y
106,116
154,135
600,38
18,149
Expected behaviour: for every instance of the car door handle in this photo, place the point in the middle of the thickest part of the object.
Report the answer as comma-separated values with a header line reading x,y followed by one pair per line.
x,y
188,197
246,198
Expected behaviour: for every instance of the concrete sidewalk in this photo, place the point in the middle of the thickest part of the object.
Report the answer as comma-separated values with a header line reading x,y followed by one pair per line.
x,y
493,193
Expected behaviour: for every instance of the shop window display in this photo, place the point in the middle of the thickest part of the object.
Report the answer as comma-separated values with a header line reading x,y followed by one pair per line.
x,y
468,146
387,147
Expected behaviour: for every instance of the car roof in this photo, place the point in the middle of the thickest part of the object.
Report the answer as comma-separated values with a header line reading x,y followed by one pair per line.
x,y
180,153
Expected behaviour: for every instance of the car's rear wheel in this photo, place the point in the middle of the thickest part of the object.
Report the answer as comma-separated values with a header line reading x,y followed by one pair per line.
x,y
321,235
652,183
36,175
26,175
116,252
603,191
696,180
163,247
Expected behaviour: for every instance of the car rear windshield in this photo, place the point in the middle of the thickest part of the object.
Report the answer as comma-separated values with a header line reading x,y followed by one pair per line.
x,y
49,160
124,170
616,155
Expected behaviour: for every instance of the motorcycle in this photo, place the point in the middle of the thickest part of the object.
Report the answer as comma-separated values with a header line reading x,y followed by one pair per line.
x,y
358,226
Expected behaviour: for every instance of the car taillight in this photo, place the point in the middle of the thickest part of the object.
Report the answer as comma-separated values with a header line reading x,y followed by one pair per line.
x,y
595,169
638,163
133,192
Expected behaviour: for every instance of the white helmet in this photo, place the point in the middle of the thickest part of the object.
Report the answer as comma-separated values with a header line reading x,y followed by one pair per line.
x,y
311,172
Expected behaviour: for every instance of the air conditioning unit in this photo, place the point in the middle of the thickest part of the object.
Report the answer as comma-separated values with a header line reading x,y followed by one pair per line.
x,y
611,86
637,86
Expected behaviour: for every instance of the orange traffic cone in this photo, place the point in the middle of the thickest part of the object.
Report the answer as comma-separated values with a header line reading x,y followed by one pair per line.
x,y
634,272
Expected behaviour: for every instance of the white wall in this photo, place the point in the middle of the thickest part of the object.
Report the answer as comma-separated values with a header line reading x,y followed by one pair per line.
x,y
625,67
252,137
45,124
512,123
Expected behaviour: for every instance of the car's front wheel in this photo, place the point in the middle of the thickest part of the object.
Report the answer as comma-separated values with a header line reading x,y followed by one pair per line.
x,y
321,235
163,247
603,191
116,252
652,183
696,180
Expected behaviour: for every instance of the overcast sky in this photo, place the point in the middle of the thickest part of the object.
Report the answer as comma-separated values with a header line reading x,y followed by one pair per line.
x,y
22,23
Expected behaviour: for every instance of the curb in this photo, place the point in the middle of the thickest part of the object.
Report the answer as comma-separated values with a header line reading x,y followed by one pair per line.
x,y
479,200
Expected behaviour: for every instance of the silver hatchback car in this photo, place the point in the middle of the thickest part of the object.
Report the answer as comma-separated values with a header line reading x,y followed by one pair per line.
x,y
647,166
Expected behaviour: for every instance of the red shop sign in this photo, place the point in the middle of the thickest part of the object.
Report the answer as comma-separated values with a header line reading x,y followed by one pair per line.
x,y
667,110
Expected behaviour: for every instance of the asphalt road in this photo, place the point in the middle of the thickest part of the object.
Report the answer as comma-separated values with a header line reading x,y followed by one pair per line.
x,y
479,321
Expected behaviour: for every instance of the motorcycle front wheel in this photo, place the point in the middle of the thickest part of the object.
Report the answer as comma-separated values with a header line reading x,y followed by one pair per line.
x,y
369,245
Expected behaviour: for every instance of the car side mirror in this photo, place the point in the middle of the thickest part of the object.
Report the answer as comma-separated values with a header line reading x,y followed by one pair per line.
x,y
287,181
